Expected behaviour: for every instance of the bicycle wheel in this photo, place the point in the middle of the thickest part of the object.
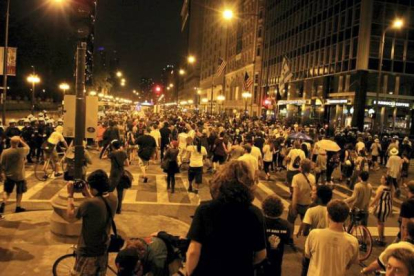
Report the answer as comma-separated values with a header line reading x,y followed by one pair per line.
x,y
43,170
364,240
64,265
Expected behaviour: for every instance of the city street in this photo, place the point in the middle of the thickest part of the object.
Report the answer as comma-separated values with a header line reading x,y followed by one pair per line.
x,y
148,208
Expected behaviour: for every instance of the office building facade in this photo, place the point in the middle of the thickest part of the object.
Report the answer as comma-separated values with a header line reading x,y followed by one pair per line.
x,y
333,51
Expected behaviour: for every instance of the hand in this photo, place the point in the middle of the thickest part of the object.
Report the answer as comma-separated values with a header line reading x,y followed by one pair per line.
x,y
155,234
70,188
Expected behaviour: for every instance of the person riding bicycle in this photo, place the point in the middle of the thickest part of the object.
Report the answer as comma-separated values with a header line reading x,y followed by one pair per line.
x,y
49,148
158,255
361,196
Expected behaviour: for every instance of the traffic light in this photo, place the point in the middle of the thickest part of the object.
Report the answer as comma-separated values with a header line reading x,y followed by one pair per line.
x,y
157,90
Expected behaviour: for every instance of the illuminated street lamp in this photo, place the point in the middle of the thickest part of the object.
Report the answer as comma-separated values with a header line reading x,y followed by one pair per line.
x,y
171,85
191,59
119,74
33,79
190,101
92,93
181,72
64,86
204,100
396,25
246,96
228,14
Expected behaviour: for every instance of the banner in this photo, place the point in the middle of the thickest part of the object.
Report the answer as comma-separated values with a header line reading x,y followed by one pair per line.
x,y
11,61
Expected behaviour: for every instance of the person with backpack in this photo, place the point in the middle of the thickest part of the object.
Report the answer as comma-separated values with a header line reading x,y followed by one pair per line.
x,y
110,134
147,146
293,160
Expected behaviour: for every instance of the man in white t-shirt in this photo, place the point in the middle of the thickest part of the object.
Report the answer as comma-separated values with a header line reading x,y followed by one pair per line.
x,y
55,138
317,217
293,163
332,251
250,160
258,154
360,145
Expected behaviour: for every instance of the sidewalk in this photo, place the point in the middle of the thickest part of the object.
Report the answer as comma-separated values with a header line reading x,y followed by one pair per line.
x,y
27,246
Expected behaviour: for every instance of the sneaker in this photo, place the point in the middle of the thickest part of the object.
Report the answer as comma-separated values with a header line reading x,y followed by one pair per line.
x,y
19,210
58,174
45,177
2,208
145,179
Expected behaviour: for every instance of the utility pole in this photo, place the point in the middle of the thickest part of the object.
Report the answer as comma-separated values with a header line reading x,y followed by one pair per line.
x,y
5,58
80,108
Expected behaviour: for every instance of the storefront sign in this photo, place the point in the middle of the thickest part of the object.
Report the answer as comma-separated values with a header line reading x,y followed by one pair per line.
x,y
337,101
393,104
294,102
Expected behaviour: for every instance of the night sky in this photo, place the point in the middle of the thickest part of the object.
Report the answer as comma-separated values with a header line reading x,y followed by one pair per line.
x,y
145,33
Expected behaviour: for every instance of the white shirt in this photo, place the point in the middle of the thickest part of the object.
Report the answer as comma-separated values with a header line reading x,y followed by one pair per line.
x,y
256,153
359,146
156,134
394,165
293,153
316,217
196,158
251,161
304,188
330,252
55,138
182,140
267,154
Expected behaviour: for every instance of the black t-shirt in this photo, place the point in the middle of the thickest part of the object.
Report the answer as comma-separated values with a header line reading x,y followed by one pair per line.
x,y
165,135
277,233
229,234
407,209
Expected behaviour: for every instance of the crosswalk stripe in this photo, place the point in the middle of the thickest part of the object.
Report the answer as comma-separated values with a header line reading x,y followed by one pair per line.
x,y
269,191
129,196
162,194
36,188
388,231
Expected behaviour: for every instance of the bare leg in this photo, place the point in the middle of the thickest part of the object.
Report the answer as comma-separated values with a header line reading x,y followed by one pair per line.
x,y
381,231
19,199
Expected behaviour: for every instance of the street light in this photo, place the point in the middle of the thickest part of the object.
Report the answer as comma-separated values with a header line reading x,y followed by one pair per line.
x,y
171,85
220,98
119,74
191,59
396,25
33,79
92,93
64,86
246,96
181,72
228,14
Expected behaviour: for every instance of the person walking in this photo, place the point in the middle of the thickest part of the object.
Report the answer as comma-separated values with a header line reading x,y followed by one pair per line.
x,y
147,146
196,154
170,165
12,171
382,205
361,196
268,150
331,251
165,132
110,134
293,160
320,167
119,159
394,166
375,153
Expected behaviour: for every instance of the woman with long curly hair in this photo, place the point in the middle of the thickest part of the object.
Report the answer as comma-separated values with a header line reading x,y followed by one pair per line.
x,y
227,234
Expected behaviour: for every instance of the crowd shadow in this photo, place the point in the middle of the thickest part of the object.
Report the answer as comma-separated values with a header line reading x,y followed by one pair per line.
x,y
14,254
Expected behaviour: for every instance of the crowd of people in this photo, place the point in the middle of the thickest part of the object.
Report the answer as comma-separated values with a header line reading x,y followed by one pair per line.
x,y
229,235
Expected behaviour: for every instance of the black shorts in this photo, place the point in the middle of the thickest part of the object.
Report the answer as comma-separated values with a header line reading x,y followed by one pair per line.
x,y
195,173
21,186
220,159
374,158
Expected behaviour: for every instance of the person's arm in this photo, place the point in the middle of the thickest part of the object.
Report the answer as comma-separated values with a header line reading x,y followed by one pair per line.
x,y
70,211
295,198
377,196
259,256
350,200
404,222
193,256
372,267
303,230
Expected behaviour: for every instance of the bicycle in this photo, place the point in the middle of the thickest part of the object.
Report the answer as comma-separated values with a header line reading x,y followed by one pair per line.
x,y
64,265
361,232
44,169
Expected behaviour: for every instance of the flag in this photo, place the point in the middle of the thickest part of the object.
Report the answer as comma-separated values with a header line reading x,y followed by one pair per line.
x,y
286,75
248,81
221,65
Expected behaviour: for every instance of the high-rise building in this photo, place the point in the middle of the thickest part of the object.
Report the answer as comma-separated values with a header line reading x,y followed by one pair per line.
x,y
192,19
333,50
169,84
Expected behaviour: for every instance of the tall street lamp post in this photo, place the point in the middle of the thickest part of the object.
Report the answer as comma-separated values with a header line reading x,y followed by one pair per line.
x,y
396,25
64,87
33,79
5,58
220,99
246,96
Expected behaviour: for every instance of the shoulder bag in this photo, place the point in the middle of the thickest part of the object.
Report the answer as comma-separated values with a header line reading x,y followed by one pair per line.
x,y
126,179
115,241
